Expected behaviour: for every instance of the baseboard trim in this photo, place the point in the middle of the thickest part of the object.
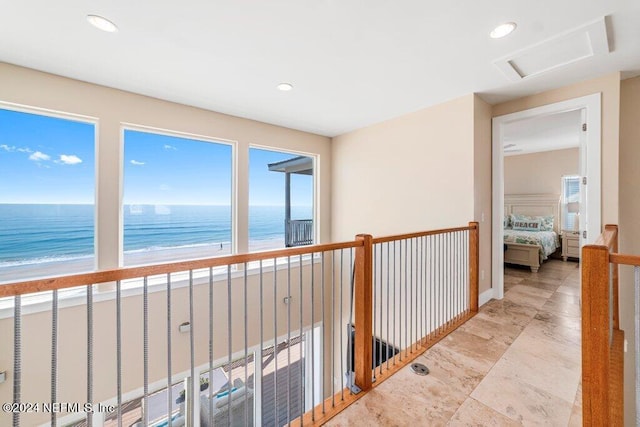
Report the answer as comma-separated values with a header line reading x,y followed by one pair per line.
x,y
485,297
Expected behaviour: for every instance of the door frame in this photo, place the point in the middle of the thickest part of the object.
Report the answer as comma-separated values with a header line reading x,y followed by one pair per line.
x,y
590,167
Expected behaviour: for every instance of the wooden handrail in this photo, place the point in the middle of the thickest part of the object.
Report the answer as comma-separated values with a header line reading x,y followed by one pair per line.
x,y
622,259
595,334
363,357
64,282
386,239
69,281
363,291
608,237
474,264
317,417
612,230
602,339
363,298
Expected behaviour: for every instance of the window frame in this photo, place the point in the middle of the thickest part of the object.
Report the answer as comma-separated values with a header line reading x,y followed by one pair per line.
x,y
124,126
74,297
565,185
315,185
81,118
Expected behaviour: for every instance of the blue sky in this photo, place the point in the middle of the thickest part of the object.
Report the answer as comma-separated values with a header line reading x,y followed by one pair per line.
x,y
50,160
160,169
45,159
267,188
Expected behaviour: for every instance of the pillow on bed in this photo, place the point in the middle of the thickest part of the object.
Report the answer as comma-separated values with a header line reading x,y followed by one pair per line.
x,y
546,222
506,222
518,217
527,225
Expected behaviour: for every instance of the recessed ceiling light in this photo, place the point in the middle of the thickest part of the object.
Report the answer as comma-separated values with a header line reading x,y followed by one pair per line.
x,y
503,30
102,23
285,87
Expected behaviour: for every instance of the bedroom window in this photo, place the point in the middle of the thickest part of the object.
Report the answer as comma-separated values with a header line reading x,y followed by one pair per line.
x,y
47,195
176,198
570,202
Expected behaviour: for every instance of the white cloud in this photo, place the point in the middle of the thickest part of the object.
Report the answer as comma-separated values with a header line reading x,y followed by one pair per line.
x,y
137,163
71,159
164,187
170,147
38,156
12,148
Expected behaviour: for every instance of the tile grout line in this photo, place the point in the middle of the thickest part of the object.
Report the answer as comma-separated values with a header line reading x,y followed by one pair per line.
x,y
527,324
468,396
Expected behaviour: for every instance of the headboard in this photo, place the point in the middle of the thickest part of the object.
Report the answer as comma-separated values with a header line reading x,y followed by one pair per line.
x,y
534,205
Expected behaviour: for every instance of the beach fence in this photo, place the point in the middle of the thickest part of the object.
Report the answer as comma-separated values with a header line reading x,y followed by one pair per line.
x,y
273,338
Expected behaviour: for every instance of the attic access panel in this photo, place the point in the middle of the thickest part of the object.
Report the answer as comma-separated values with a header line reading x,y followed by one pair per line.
x,y
583,42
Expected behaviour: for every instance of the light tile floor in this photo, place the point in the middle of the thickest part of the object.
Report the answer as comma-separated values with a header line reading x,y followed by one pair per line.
x,y
517,362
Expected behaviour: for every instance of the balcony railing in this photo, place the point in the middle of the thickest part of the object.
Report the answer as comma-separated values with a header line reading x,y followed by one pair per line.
x,y
298,232
269,338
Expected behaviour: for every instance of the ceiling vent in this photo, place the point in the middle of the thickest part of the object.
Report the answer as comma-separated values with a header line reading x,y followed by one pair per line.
x,y
583,42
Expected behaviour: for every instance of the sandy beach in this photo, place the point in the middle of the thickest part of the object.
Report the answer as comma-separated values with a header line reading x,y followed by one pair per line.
x,y
17,273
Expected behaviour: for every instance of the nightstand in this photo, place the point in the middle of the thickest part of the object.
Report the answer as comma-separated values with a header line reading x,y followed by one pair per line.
x,y
570,244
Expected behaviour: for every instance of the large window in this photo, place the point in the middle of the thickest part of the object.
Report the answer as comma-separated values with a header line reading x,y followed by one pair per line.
x,y
177,198
280,200
47,195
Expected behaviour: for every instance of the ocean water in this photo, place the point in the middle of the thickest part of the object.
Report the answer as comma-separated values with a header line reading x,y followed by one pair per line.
x,y
32,233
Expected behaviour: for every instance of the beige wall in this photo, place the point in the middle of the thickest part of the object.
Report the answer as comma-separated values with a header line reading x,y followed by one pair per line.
x,y
112,108
72,359
416,172
482,186
629,224
539,173
407,174
609,86
619,184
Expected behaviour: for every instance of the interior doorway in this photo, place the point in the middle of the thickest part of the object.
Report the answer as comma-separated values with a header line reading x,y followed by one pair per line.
x,y
588,107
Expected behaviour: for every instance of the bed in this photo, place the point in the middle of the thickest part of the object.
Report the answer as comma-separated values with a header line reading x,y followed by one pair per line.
x,y
531,246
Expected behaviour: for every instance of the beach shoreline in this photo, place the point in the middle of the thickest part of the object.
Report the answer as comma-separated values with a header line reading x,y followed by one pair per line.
x,y
15,273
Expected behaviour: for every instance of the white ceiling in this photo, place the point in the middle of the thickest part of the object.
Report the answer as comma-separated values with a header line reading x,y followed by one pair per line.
x,y
352,62
553,132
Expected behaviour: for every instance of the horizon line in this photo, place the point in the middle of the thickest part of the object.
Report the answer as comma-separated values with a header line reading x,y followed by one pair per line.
x,y
144,204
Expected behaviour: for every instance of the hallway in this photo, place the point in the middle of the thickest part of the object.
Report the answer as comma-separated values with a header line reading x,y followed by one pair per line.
x,y
517,362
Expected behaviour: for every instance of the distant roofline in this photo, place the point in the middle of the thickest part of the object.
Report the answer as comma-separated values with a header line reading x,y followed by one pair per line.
x,y
302,165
